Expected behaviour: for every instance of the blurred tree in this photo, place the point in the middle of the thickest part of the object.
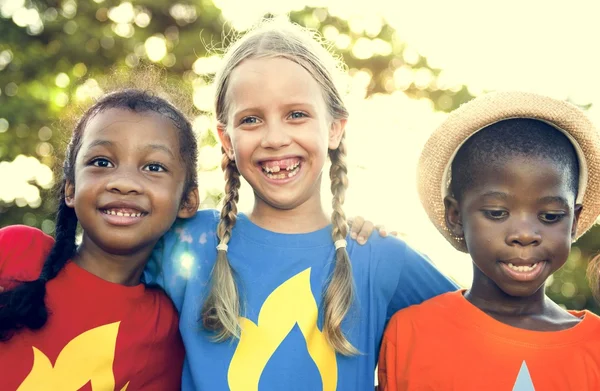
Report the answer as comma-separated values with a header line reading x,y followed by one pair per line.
x,y
54,52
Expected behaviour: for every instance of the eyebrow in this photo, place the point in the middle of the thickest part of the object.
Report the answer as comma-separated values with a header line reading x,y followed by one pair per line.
x,y
161,147
107,143
495,194
100,143
560,200
544,200
286,105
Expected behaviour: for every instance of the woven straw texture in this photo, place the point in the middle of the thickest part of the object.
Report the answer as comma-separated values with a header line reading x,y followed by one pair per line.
x,y
433,169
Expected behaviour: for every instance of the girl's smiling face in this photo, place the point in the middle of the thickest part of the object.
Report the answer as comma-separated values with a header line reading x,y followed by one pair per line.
x,y
279,131
129,180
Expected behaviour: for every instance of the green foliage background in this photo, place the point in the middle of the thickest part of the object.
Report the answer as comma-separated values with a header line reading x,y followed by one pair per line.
x,y
79,39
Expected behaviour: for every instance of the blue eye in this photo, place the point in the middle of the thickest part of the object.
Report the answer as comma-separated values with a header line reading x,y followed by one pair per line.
x,y
155,167
249,120
297,115
101,162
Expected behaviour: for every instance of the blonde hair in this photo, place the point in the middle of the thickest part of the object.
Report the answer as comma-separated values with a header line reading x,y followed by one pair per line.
x,y
221,309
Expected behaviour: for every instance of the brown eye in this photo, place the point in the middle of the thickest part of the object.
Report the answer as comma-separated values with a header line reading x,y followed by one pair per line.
x,y
155,167
495,214
551,217
101,162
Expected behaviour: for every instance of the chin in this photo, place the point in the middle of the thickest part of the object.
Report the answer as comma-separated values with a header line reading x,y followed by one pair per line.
x,y
287,203
520,291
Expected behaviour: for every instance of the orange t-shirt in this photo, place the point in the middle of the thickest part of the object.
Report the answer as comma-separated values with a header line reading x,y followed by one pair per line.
x,y
446,343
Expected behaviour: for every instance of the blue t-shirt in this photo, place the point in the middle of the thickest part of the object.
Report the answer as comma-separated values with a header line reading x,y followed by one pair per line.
x,y
281,278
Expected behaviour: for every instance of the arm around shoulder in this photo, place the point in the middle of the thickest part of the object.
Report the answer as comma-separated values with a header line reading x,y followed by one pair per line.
x,y
180,247
415,278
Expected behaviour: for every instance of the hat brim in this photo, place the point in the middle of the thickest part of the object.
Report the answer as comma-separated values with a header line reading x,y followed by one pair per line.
x,y
433,172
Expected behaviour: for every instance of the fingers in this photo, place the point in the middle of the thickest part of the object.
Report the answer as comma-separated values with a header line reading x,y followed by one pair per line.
x,y
361,229
355,224
365,232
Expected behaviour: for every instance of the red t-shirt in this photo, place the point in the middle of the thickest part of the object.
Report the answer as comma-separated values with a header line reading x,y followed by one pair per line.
x,y
447,343
99,335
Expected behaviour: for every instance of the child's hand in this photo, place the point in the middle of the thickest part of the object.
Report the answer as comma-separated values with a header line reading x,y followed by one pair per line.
x,y
361,229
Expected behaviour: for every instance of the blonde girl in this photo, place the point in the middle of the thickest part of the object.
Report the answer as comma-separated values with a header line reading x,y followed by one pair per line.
x,y
284,302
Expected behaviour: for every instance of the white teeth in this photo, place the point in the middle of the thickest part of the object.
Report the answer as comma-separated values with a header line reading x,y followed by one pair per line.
x,y
277,168
277,176
122,214
523,268
293,167
273,172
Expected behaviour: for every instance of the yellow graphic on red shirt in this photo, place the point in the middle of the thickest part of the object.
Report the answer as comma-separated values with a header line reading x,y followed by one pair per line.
x,y
87,358
289,304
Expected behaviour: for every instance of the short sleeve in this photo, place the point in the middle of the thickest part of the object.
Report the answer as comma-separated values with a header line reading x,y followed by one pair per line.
x,y
23,251
415,278
395,350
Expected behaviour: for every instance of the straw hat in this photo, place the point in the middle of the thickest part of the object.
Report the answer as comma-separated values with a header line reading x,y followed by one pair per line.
x,y
433,171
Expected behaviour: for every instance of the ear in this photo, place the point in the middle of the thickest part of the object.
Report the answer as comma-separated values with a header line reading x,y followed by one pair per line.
x,y
225,140
453,219
70,194
190,205
336,132
577,210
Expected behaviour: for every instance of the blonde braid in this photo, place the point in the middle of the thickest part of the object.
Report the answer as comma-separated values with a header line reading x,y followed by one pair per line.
x,y
222,306
340,292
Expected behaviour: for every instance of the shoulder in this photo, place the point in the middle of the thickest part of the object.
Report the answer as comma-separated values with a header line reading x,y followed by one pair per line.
x,y
189,244
426,312
23,250
194,234
162,310
15,236
388,250
203,220
388,258
381,252
591,320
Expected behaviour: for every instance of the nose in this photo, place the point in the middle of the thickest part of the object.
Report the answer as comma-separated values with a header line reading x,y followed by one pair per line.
x,y
524,233
275,136
125,181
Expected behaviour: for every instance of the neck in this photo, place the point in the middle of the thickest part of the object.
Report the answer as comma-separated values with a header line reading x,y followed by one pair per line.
x,y
488,297
307,217
124,269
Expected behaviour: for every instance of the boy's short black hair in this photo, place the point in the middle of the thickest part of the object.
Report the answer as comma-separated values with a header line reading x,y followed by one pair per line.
x,y
517,137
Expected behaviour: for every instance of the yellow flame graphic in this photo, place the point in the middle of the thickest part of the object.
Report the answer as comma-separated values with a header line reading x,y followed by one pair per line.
x,y
87,358
290,304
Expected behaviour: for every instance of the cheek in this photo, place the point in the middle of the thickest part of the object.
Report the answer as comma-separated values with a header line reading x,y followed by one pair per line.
x,y
481,234
169,197
560,239
244,145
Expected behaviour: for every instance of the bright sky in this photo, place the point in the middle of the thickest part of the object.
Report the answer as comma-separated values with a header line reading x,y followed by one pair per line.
x,y
544,46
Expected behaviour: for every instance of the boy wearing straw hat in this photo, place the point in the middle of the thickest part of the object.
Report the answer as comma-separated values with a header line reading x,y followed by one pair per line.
x,y
511,178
